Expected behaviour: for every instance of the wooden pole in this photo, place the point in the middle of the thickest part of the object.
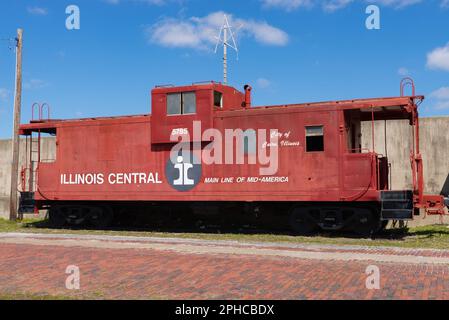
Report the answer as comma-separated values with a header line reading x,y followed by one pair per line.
x,y
15,141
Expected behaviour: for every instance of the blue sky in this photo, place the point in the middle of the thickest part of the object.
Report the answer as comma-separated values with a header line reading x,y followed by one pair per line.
x,y
290,51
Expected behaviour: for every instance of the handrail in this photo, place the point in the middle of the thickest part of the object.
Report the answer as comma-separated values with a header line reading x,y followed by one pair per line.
x,y
40,111
407,81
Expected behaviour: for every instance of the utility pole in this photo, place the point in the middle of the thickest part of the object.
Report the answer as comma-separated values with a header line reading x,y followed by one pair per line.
x,y
15,140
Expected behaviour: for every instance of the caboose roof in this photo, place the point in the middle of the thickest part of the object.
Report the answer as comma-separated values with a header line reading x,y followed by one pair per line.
x,y
387,108
192,87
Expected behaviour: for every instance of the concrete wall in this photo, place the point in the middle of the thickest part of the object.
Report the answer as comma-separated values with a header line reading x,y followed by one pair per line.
x,y
48,151
434,147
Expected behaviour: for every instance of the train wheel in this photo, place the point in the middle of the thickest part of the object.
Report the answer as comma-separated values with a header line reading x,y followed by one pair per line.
x,y
301,222
366,222
57,217
101,217
72,215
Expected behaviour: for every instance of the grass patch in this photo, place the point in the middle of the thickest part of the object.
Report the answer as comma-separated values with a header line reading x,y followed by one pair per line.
x,y
33,296
7,226
435,236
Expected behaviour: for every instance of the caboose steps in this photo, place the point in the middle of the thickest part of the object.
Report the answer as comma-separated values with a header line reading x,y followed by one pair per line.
x,y
26,203
396,205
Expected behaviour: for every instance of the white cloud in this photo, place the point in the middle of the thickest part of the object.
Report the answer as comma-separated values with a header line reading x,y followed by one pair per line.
x,y
37,11
398,4
4,94
174,33
441,94
263,83
439,58
35,84
201,32
288,4
440,98
156,2
265,33
403,71
334,5
444,4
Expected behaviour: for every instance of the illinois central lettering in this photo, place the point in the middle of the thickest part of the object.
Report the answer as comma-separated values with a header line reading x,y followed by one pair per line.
x,y
111,178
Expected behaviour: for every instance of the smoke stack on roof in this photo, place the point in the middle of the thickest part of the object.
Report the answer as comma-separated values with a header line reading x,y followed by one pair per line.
x,y
247,103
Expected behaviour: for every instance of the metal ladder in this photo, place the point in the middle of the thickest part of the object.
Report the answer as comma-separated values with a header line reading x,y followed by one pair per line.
x,y
32,160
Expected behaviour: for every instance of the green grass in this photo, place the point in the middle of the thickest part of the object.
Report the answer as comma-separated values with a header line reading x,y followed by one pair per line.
x,y
33,296
435,236
8,226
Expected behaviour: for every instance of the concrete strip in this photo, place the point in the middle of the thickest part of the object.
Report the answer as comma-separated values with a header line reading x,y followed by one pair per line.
x,y
190,248
233,243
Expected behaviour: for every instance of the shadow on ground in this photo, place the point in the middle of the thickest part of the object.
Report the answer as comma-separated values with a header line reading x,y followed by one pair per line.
x,y
218,227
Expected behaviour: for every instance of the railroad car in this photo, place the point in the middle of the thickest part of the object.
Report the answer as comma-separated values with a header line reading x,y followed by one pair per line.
x,y
205,148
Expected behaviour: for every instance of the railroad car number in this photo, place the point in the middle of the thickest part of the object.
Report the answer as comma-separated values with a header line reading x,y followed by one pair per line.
x,y
179,131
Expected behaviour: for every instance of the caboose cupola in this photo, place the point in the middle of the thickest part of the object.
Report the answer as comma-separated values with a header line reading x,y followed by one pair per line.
x,y
174,109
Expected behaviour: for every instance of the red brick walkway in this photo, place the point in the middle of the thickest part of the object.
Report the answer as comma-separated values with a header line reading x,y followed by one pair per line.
x,y
112,271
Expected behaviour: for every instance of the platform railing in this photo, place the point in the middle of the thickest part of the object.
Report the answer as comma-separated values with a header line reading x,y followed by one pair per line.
x,y
40,111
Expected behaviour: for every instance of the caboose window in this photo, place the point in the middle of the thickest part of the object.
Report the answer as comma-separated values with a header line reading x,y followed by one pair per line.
x,y
314,139
181,103
174,103
218,99
249,141
188,102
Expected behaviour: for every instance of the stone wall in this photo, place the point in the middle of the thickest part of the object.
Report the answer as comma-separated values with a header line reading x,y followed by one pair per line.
x,y
434,147
48,151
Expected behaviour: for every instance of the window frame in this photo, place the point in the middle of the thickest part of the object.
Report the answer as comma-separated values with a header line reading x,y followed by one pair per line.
x,y
182,102
306,135
181,106
221,99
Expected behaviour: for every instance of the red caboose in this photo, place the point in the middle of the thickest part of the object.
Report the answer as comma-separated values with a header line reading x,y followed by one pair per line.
x,y
205,148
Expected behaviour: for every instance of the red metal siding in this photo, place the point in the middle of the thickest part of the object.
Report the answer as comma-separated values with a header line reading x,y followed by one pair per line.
x,y
125,146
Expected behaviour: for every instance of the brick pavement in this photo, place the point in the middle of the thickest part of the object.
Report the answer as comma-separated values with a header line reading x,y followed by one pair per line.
x,y
157,268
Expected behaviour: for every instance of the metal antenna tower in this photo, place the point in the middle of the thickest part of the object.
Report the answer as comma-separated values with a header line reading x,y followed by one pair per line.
x,y
226,37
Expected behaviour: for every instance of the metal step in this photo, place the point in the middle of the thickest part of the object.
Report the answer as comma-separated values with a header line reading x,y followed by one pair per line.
x,y
396,205
26,203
